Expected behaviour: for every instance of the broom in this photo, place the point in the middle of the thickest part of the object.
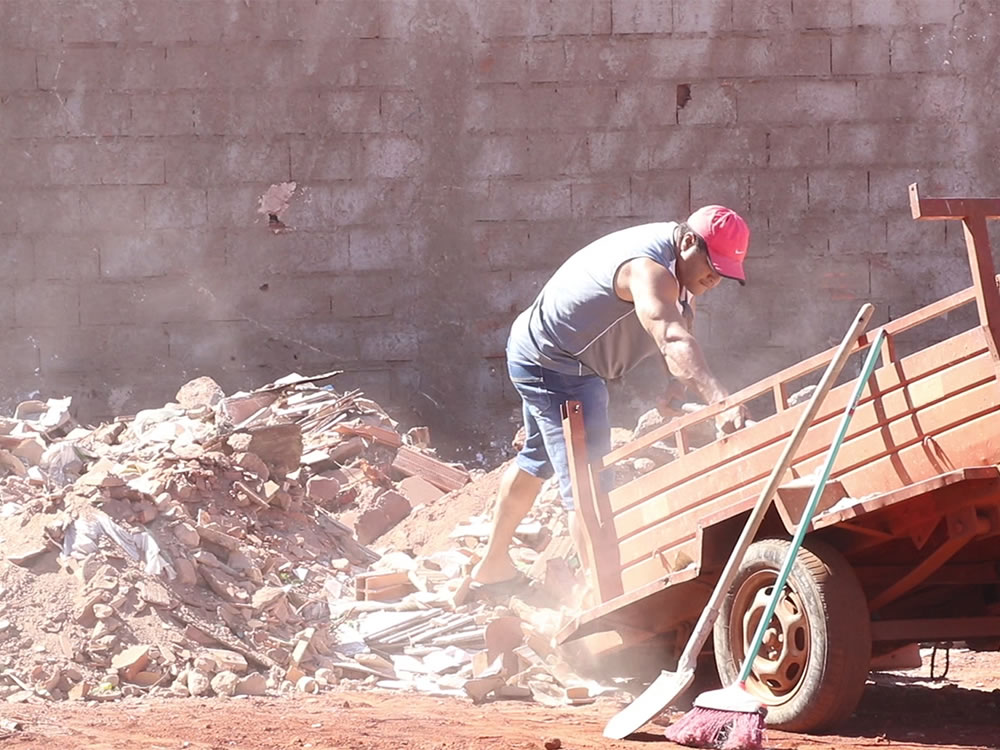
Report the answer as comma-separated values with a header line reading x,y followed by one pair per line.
x,y
731,718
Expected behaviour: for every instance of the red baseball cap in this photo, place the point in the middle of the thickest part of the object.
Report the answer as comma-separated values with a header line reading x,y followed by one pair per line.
x,y
727,235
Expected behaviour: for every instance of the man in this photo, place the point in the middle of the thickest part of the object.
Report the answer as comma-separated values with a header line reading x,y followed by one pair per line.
x,y
617,301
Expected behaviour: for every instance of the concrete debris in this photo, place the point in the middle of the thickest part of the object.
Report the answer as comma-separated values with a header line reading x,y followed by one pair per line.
x,y
221,545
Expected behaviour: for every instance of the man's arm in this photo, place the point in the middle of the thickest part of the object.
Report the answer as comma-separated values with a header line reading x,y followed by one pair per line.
x,y
654,292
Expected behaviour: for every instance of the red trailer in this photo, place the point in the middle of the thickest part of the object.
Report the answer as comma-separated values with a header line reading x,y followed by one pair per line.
x,y
905,546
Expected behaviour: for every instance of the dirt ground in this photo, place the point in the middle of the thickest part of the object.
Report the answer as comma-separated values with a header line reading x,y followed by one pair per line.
x,y
900,710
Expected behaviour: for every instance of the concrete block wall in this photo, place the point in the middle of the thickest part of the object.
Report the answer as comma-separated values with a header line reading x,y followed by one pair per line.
x,y
448,154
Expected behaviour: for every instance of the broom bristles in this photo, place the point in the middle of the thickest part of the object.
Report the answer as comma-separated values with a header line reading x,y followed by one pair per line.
x,y
715,728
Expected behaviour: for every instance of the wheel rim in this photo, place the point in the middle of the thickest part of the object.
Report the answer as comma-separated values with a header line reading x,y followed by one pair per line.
x,y
781,663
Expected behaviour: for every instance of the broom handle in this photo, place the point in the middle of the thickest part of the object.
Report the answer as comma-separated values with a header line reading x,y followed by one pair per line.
x,y
704,626
810,508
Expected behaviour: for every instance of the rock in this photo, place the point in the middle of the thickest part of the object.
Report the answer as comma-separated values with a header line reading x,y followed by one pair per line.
x,y
266,597
552,743
131,661
186,575
644,465
199,683
206,664
326,676
79,691
252,684
225,683
146,679
228,661
388,509
253,464
187,534
322,489
180,689
103,611
201,391
307,684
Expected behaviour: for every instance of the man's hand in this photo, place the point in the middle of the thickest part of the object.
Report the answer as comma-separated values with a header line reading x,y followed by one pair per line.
x,y
731,420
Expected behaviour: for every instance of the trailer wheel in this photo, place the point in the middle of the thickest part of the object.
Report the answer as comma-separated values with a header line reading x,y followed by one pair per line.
x,y
811,668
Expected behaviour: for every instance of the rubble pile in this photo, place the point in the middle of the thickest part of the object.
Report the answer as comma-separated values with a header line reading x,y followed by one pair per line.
x,y
221,546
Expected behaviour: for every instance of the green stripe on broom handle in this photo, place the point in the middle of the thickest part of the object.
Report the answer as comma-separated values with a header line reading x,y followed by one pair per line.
x,y
810,508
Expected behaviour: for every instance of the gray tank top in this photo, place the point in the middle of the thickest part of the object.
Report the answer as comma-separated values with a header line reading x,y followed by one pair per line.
x,y
578,325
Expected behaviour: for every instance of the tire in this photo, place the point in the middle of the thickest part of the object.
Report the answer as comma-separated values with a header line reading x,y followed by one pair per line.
x,y
819,643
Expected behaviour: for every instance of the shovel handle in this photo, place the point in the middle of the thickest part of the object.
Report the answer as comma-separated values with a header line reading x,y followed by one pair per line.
x,y
699,635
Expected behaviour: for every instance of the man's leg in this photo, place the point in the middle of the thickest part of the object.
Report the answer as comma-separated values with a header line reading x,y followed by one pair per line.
x,y
517,492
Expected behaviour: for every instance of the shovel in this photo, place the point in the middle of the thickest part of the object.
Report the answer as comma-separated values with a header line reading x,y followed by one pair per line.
x,y
669,685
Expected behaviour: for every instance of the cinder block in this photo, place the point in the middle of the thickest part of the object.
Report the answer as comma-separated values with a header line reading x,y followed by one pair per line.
x,y
338,204
861,233
660,196
616,152
112,208
319,159
349,112
17,255
822,14
520,199
402,112
52,210
46,303
730,189
641,17
761,15
644,107
160,252
793,101
265,253
895,144
905,234
235,205
385,63
524,19
568,108
920,278
392,156
863,51
889,186
102,68
502,245
584,17
488,336
66,257
606,59
169,207
798,146
347,19
903,12
505,60
89,348
385,247
19,367
710,148
610,198
838,190
546,61
218,160
928,49
30,25
491,155
162,113
262,297
367,295
388,341
691,16
552,154
150,302
710,103
778,193
18,66
910,98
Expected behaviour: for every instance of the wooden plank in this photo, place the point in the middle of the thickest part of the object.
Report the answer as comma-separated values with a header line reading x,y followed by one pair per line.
x,y
732,449
674,513
936,629
807,366
412,462
951,208
382,435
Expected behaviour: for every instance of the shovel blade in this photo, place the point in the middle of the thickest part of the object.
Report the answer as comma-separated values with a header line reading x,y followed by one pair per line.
x,y
653,699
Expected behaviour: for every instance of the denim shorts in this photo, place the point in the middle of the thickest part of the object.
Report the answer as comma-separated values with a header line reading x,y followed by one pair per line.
x,y
542,393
